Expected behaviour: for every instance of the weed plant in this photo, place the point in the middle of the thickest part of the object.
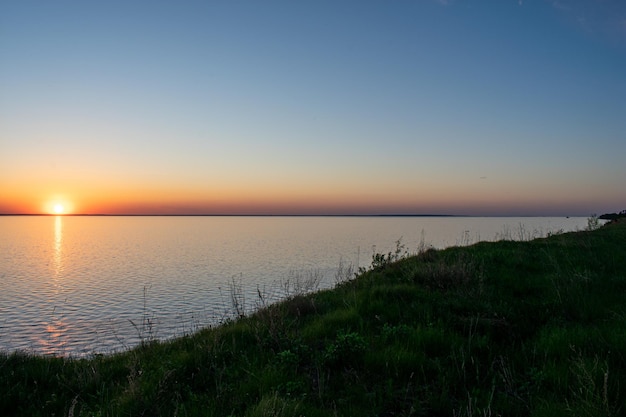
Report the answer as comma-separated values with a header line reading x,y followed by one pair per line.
x,y
527,328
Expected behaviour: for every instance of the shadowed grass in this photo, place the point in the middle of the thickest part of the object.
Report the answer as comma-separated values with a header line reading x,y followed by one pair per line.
x,y
506,328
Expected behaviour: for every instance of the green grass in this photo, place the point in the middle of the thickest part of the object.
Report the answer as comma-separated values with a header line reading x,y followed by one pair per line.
x,y
534,328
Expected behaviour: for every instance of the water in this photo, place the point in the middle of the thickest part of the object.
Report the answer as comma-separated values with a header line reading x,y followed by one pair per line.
x,y
84,285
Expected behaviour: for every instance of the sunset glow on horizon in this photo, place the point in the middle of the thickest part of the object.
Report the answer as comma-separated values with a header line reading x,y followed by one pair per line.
x,y
429,107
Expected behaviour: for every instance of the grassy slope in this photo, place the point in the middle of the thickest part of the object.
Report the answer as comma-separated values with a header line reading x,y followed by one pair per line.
x,y
512,328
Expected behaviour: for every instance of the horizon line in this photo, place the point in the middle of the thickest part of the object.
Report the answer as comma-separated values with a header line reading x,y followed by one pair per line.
x,y
282,215
235,215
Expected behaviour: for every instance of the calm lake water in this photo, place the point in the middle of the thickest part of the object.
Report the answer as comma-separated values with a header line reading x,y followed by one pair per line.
x,y
83,285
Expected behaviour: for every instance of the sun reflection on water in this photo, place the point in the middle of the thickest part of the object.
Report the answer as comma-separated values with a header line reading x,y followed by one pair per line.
x,y
58,245
54,338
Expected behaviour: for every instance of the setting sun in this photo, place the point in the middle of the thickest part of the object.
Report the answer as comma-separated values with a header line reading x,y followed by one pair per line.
x,y
58,206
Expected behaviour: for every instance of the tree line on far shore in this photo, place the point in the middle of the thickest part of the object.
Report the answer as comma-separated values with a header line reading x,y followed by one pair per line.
x,y
613,216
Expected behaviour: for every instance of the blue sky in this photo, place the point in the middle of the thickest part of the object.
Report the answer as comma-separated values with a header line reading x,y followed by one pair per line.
x,y
466,107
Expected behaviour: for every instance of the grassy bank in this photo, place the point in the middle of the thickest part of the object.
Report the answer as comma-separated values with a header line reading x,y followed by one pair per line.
x,y
508,328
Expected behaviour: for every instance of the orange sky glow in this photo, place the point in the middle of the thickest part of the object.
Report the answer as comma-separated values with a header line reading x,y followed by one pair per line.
x,y
481,199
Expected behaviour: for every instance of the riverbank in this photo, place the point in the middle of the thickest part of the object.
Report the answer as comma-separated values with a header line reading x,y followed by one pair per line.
x,y
512,328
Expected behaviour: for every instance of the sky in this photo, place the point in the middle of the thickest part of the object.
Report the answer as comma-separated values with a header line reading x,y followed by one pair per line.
x,y
313,107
